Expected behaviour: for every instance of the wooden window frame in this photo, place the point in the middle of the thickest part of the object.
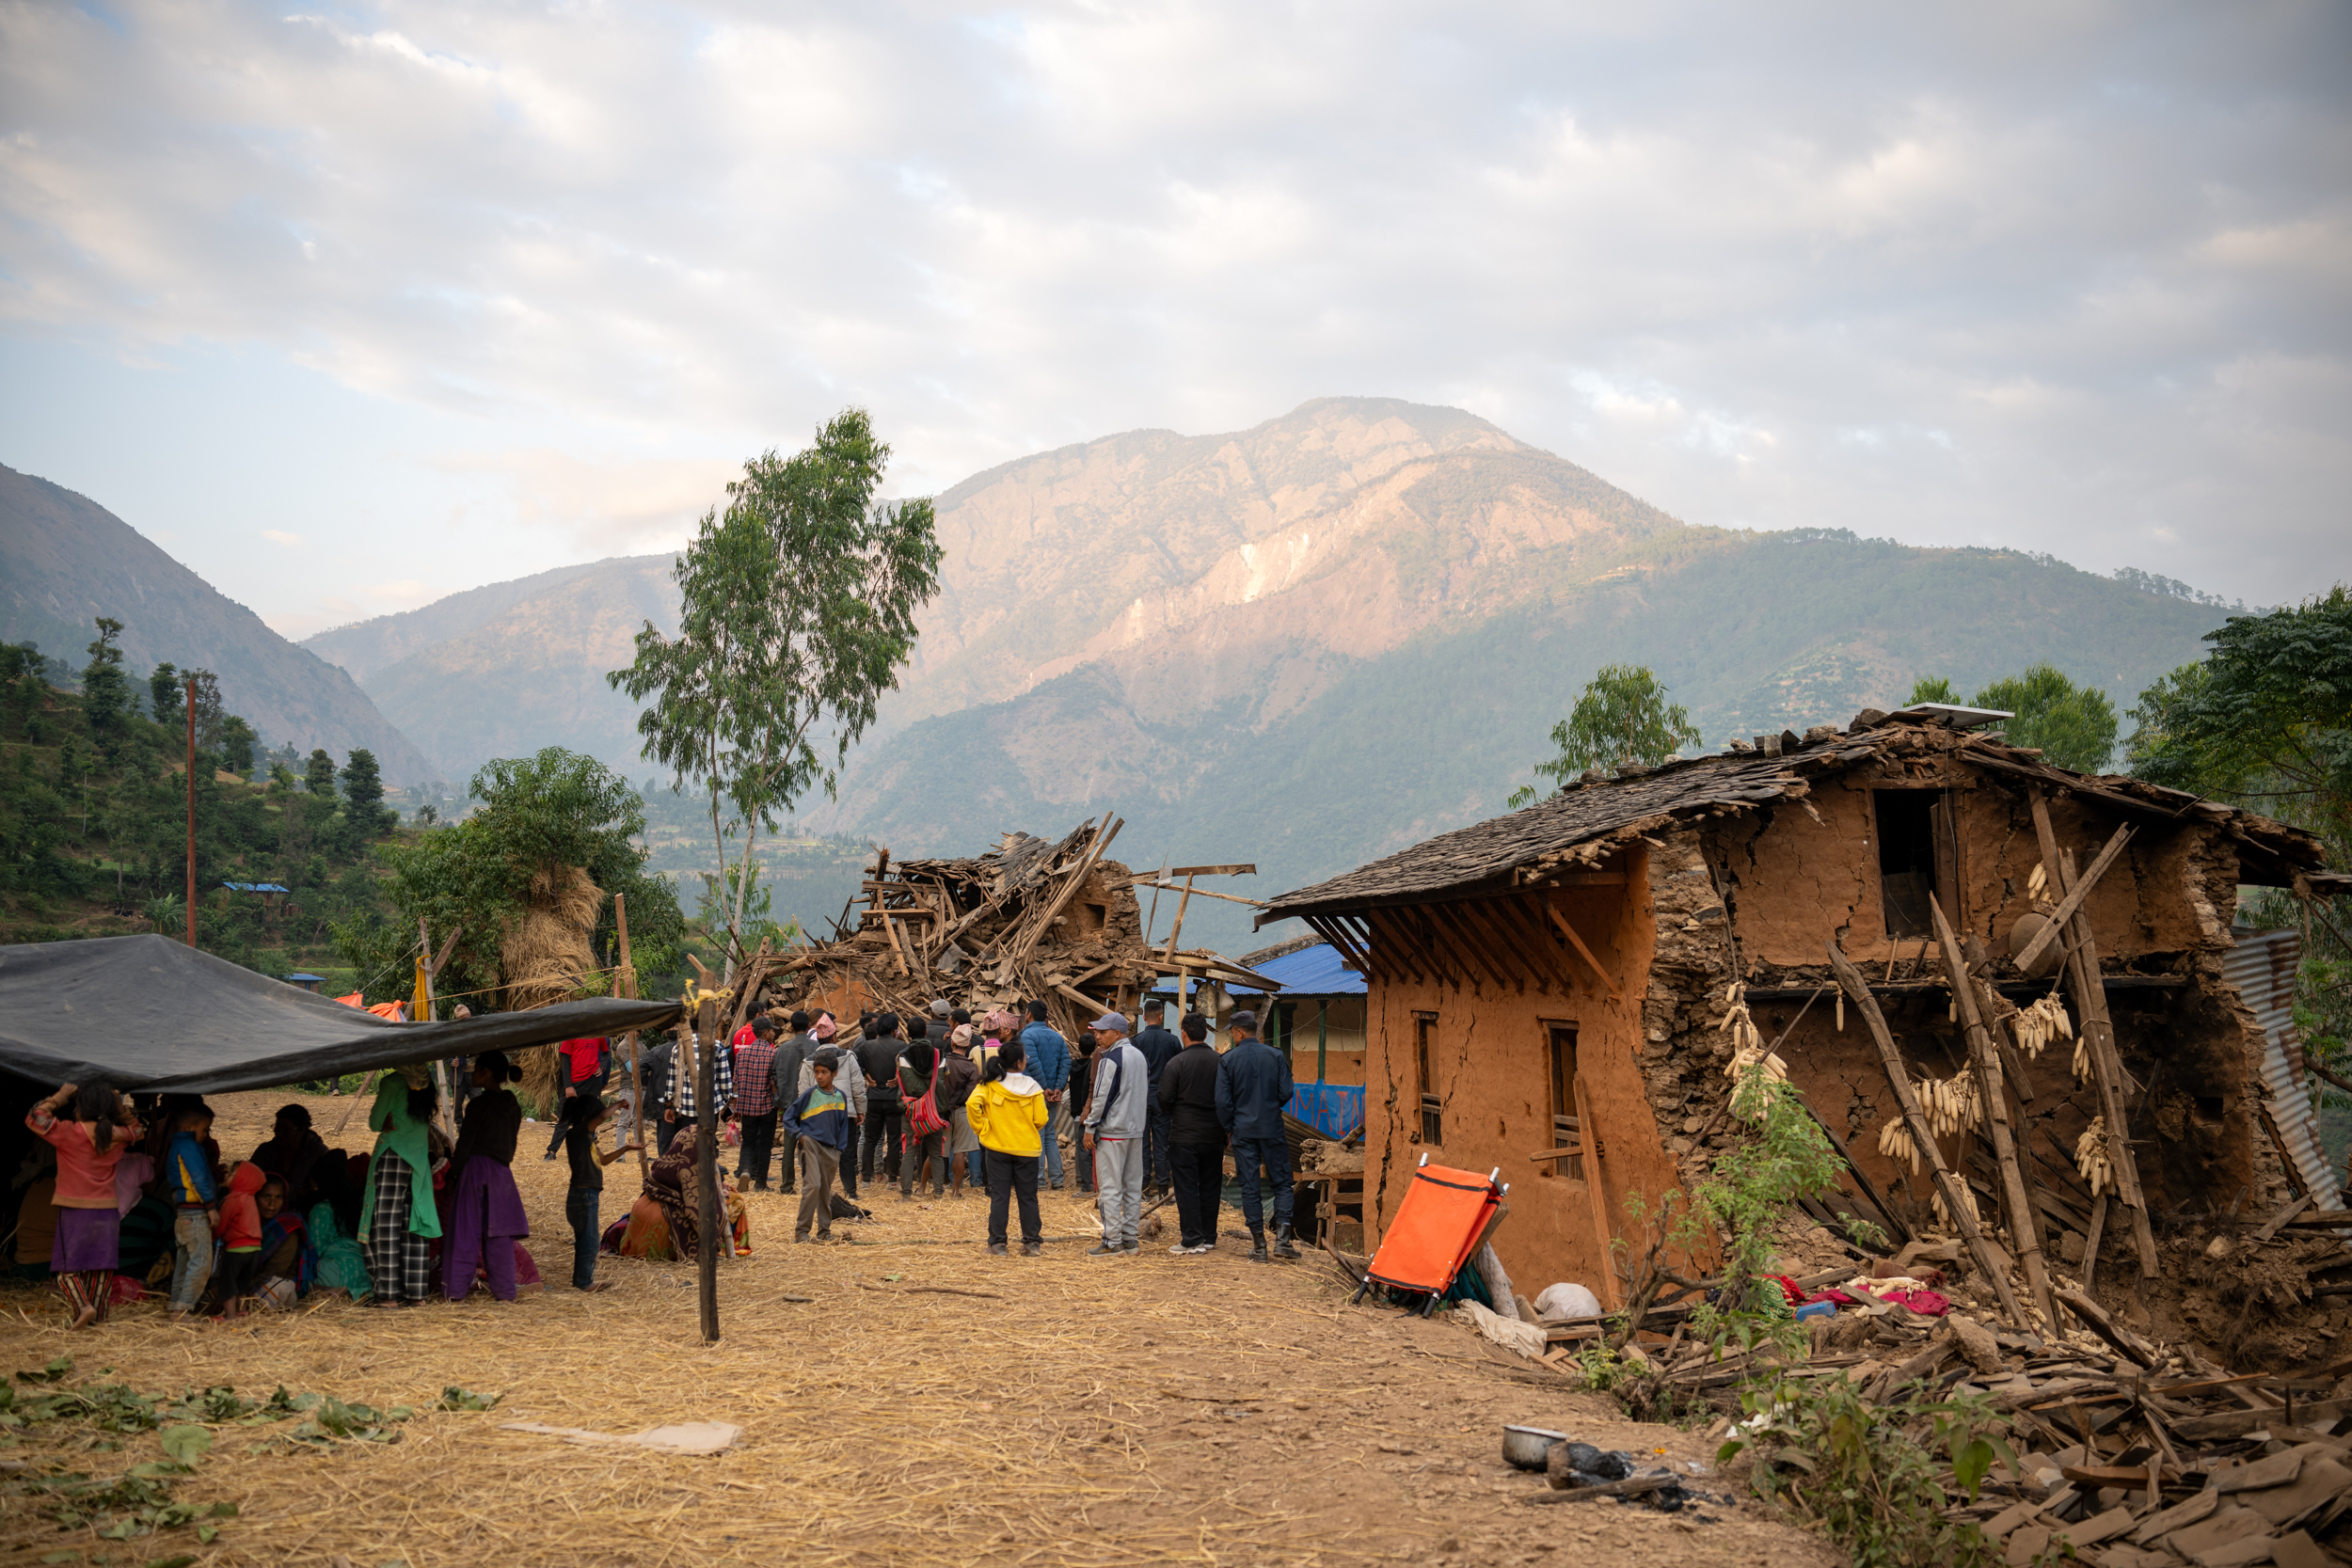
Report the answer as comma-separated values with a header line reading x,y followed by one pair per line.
x,y
1560,1094
1424,1081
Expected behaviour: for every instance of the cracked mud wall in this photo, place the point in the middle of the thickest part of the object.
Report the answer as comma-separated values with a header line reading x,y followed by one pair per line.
x,y
1490,1066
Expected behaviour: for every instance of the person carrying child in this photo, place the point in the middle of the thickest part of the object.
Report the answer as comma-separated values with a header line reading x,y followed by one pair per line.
x,y
89,1144
188,1184
1007,1111
822,1123
582,1115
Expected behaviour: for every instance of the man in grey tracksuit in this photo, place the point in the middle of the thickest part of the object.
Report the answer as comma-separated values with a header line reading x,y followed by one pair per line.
x,y
1118,1113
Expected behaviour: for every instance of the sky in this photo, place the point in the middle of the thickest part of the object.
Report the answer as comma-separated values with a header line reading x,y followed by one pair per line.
x,y
349,307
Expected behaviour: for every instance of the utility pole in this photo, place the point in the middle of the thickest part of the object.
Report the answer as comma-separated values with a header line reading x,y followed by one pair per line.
x,y
191,810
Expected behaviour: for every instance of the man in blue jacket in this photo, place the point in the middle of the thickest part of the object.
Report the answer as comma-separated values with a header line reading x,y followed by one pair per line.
x,y
1253,1087
1049,1064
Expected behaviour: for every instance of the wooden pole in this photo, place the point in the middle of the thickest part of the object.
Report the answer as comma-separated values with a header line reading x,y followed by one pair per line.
x,y
1323,1039
2090,1011
440,1064
1964,1218
1588,1133
192,813
627,985
707,1166
2025,1226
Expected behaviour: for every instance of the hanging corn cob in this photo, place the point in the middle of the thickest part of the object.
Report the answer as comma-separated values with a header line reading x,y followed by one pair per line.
x,y
1747,1051
2035,1026
2038,885
1952,1105
1895,1142
1967,1197
2090,1157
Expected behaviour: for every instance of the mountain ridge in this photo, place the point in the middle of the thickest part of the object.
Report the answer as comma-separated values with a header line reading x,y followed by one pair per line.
x,y
67,560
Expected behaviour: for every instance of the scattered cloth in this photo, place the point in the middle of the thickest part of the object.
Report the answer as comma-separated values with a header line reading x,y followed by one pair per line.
x,y
1526,1339
691,1437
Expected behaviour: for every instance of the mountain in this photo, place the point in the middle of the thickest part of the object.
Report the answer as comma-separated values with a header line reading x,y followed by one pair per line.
x,y
1306,644
502,671
65,561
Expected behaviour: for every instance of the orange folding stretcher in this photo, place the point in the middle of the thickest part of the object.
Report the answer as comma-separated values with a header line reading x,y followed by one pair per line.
x,y
1444,1217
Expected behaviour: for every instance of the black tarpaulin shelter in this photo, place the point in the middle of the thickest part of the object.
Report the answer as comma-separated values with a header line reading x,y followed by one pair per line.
x,y
146,1012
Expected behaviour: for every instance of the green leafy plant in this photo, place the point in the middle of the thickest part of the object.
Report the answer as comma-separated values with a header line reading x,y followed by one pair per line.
x,y
2073,726
454,1398
1870,1476
1623,718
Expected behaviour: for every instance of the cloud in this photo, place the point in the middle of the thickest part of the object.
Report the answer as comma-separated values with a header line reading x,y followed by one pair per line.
x,y
279,536
610,508
2071,278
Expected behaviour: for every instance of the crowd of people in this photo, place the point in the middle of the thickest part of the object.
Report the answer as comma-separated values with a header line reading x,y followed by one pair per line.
x,y
130,1194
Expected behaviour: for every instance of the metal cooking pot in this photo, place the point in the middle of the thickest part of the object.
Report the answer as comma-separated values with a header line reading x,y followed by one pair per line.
x,y
1528,1448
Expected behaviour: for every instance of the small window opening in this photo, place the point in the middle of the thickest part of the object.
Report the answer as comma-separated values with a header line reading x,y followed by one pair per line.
x,y
1906,821
1432,1118
1565,1133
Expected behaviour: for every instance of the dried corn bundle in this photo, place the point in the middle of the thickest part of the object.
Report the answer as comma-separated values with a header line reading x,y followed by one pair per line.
x,y
2082,1058
1967,1197
1895,1143
2035,1026
2090,1157
1748,1052
1952,1105
2038,885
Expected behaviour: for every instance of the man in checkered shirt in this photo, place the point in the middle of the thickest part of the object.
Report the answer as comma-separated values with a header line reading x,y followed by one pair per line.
x,y
755,1099
680,1116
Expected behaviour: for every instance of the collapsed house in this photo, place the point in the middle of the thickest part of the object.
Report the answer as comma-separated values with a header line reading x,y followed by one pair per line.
x,y
1031,919
1547,992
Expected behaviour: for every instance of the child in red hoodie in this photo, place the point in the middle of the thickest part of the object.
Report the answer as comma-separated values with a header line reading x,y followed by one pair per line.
x,y
240,1235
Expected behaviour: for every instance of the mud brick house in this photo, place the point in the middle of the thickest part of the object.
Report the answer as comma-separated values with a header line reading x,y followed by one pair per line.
x,y
1546,989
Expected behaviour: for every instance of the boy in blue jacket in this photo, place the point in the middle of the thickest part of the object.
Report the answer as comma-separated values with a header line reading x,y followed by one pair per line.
x,y
820,1121
1049,1064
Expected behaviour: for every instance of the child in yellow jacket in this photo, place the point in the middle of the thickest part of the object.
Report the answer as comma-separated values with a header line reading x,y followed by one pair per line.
x,y
1007,1111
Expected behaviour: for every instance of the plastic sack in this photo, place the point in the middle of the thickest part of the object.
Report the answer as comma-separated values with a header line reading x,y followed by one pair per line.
x,y
1565,1300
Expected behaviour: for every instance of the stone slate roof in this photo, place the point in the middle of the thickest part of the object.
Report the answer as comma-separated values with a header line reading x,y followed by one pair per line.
x,y
1588,819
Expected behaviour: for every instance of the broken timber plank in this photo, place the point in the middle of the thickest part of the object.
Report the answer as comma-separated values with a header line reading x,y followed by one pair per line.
x,y
2090,1005
2025,1231
1578,943
1963,1216
2072,901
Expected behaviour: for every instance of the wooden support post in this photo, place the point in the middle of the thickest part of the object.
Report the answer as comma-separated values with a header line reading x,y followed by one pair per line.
x,y
1323,1038
2091,1011
440,1064
1588,1133
1964,1218
1578,943
707,1166
2072,902
192,817
2024,1229
626,983
2090,1241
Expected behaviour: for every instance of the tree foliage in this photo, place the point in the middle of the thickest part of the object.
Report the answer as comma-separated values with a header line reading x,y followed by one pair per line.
x,y
800,600
1931,688
541,815
2073,726
2265,722
106,690
1622,719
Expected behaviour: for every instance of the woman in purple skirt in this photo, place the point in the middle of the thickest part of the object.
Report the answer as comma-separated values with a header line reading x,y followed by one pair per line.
x,y
91,1139
484,1215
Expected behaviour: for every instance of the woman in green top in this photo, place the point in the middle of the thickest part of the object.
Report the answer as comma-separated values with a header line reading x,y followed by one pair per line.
x,y
398,1217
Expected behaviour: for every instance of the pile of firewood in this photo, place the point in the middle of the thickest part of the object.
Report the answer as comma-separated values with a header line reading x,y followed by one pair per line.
x,y
1031,919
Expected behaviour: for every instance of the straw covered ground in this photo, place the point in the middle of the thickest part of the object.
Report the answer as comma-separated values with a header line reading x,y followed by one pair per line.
x,y
1116,1413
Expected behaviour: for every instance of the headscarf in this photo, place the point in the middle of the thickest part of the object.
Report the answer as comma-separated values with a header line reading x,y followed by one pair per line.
x,y
962,1037
824,1028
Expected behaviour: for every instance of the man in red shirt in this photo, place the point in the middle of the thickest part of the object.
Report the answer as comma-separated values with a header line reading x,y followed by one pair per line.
x,y
580,1069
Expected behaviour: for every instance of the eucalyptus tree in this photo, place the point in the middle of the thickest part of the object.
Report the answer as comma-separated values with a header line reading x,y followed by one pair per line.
x,y
798,605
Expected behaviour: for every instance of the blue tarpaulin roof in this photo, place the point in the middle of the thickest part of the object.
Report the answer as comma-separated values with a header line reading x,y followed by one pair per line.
x,y
254,887
1309,972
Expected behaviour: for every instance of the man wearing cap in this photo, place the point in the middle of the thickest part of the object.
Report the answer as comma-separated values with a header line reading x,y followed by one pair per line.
x,y
1253,1085
1117,1115
1159,1048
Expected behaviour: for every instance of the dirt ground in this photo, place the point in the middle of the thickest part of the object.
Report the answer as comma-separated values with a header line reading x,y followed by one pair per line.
x,y
1114,1412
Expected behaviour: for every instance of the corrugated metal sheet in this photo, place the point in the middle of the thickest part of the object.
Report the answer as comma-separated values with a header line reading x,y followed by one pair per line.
x,y
1314,971
2262,967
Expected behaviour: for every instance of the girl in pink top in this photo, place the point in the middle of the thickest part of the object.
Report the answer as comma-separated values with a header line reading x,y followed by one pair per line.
x,y
91,1139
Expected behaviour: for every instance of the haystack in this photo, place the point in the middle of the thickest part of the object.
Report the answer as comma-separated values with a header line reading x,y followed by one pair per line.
x,y
545,957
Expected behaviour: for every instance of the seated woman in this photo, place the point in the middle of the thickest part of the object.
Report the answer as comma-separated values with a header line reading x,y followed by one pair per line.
x,y
295,1153
288,1261
341,1267
663,1225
